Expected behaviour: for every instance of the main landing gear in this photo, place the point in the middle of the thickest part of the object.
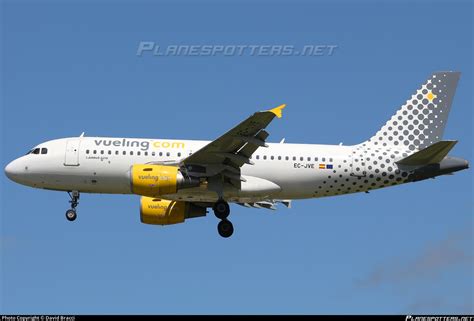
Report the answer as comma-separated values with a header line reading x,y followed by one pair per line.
x,y
222,210
71,214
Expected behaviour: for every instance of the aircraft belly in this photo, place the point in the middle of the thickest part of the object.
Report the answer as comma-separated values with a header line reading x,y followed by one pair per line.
x,y
88,179
295,183
254,189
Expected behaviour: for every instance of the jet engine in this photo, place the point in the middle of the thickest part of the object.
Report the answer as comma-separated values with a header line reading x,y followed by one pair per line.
x,y
163,212
158,180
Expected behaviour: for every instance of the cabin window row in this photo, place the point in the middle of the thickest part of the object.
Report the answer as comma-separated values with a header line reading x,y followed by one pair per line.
x,y
124,152
168,154
294,158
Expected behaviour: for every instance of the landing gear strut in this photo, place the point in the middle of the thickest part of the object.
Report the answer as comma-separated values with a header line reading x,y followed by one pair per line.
x,y
71,214
222,210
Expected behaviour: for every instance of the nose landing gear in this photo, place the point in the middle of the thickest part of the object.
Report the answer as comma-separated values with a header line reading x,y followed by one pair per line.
x,y
222,210
71,214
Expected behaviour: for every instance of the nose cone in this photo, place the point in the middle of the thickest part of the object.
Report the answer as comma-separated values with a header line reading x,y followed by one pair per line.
x,y
12,170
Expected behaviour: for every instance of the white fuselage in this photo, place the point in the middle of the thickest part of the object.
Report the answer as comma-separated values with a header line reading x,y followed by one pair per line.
x,y
102,165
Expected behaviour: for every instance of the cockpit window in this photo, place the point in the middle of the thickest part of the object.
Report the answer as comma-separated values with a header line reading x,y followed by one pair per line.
x,y
38,151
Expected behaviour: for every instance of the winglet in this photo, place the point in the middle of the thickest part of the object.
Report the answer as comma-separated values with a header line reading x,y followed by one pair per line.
x,y
277,110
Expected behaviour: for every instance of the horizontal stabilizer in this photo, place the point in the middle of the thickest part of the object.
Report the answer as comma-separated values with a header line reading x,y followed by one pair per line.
x,y
432,154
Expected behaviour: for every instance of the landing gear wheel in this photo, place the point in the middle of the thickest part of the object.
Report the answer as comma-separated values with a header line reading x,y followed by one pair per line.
x,y
225,228
221,209
71,215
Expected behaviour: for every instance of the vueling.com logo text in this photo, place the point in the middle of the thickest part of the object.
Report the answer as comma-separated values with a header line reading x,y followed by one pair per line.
x,y
142,144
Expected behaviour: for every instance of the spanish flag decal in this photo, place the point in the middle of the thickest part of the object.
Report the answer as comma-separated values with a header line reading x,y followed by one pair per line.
x,y
325,166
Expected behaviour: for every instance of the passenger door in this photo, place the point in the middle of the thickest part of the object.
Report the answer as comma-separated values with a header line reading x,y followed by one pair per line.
x,y
72,152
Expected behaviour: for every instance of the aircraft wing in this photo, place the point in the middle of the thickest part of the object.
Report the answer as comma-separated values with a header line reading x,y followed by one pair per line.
x,y
228,153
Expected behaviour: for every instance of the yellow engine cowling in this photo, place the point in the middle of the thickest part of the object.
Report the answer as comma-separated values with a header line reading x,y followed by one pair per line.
x,y
158,180
163,212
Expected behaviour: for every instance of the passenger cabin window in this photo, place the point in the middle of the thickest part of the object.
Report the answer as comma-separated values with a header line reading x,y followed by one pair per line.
x,y
87,151
138,153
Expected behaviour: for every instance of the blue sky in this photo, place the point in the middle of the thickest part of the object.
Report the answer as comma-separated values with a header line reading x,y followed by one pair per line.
x,y
72,67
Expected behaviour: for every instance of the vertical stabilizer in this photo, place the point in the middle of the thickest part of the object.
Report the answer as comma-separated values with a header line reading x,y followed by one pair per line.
x,y
421,120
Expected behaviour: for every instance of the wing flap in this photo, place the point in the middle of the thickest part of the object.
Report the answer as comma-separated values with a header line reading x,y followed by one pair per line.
x,y
268,204
251,146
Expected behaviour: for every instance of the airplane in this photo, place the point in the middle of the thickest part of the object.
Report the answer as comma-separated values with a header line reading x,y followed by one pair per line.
x,y
180,179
